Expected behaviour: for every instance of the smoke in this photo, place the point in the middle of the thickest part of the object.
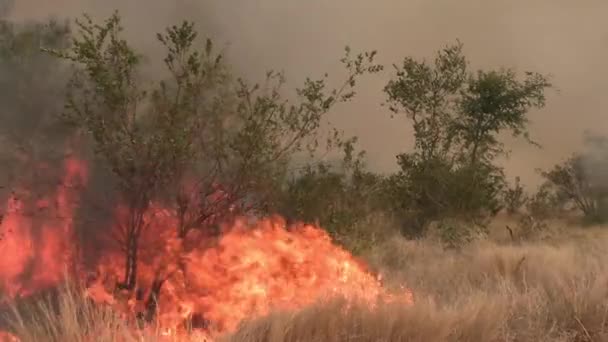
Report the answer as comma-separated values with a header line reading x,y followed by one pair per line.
x,y
31,93
594,163
5,7
564,38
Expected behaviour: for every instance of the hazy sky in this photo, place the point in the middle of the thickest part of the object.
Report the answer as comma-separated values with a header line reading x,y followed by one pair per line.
x,y
568,39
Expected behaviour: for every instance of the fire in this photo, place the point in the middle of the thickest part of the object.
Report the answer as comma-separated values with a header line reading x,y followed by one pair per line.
x,y
208,283
252,269
37,242
6,337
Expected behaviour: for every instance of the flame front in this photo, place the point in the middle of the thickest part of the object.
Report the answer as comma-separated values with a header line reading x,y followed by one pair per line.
x,y
209,283
251,270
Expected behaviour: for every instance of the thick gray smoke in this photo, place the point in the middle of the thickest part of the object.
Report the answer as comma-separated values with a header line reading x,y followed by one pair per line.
x,y
568,39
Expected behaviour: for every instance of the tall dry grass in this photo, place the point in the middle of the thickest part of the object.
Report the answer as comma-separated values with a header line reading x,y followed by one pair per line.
x,y
550,290
65,315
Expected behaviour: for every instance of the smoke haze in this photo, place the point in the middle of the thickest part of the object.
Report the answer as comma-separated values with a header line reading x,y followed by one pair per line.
x,y
567,39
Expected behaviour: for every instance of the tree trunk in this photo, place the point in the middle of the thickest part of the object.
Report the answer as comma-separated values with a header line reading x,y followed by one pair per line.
x,y
183,205
152,301
130,263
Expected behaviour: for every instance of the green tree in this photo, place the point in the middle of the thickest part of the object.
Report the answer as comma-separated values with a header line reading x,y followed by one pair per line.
x,y
200,139
457,116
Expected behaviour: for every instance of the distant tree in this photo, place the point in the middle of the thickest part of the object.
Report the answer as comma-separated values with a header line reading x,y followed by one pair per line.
x,y
456,116
572,184
200,139
339,195
544,203
581,181
335,195
515,197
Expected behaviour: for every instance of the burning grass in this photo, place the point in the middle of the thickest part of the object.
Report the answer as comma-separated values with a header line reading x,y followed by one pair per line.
x,y
555,290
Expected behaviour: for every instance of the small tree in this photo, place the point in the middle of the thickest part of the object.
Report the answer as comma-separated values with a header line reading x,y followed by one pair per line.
x,y
106,99
544,203
515,197
198,137
574,184
456,116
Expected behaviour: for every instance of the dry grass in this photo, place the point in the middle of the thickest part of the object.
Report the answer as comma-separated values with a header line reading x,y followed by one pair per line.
x,y
550,290
66,316
554,290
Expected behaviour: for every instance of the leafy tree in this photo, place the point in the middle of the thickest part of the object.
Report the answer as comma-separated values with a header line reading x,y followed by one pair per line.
x,y
200,139
457,116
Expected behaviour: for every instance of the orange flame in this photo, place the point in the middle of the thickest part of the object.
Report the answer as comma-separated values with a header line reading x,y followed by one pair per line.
x,y
37,240
6,337
211,283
